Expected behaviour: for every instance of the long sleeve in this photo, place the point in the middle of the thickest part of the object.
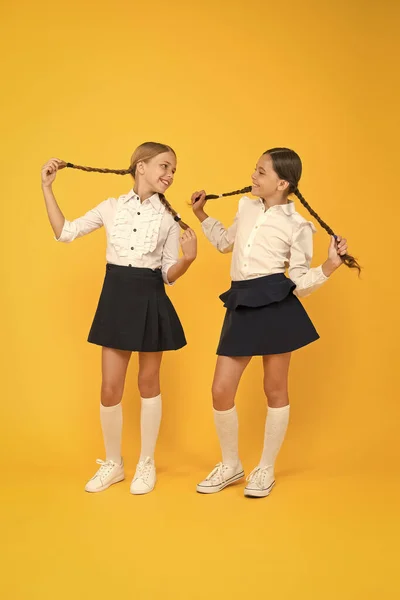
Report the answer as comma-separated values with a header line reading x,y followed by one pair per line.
x,y
307,279
89,222
170,253
220,237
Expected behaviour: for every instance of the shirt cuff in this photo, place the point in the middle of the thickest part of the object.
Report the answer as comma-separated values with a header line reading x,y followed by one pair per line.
x,y
321,274
66,234
165,275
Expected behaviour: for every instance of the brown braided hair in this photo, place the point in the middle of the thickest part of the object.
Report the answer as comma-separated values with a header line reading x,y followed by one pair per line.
x,y
143,153
245,190
287,165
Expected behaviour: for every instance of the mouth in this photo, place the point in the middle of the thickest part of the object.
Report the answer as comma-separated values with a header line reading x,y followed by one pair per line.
x,y
165,182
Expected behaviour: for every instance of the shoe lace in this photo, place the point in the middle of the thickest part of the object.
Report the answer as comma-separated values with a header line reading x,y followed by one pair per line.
x,y
144,469
106,467
217,474
257,476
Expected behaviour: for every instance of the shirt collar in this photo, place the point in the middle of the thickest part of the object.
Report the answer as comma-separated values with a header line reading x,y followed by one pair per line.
x,y
154,199
288,208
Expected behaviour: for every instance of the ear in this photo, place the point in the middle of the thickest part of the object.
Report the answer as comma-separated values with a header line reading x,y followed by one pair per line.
x,y
283,185
140,167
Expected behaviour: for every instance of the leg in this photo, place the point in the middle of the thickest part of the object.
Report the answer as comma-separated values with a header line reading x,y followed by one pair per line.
x,y
276,369
149,387
149,374
226,380
114,367
228,371
150,419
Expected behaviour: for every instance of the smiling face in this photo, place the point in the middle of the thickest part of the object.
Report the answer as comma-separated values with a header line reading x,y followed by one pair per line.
x,y
157,173
153,167
266,182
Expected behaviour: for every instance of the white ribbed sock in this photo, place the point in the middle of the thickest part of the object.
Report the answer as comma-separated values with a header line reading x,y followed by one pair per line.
x,y
276,425
111,424
226,422
150,420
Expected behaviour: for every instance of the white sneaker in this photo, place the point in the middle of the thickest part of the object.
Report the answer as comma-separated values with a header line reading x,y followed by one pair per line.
x,y
260,482
110,472
221,476
145,477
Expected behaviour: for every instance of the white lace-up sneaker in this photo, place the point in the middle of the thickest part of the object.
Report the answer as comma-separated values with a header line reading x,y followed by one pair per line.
x,y
110,472
145,477
260,482
221,476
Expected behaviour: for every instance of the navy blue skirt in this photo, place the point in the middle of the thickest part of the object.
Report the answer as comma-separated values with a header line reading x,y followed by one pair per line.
x,y
134,312
263,317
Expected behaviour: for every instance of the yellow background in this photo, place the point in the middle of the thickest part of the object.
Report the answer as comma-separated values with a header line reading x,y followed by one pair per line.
x,y
220,82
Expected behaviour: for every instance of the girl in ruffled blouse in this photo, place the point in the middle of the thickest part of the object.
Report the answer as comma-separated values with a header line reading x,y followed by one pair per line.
x,y
264,316
134,313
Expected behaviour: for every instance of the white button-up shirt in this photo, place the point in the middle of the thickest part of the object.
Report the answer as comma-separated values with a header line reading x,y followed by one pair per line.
x,y
266,242
138,234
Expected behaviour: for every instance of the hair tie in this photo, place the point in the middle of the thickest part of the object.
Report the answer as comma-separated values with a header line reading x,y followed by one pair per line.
x,y
177,218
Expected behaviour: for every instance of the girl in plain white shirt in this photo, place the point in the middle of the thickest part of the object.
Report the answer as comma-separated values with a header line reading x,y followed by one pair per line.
x,y
264,316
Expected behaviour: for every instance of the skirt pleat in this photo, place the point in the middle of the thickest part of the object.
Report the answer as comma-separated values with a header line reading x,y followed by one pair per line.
x,y
134,312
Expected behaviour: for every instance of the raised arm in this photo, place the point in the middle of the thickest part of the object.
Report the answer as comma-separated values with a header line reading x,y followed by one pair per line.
x,y
64,230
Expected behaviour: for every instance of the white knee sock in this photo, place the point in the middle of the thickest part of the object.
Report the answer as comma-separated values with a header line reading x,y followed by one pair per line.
x,y
226,422
275,429
111,424
150,420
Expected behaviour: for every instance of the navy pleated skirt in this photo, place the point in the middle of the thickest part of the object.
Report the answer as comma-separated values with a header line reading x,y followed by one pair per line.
x,y
263,317
134,312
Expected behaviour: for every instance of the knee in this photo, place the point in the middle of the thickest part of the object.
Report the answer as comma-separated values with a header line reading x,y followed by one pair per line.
x,y
277,395
149,383
222,398
111,394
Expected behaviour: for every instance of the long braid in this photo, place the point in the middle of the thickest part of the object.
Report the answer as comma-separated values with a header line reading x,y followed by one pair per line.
x,y
245,190
130,171
96,170
173,212
347,259
312,212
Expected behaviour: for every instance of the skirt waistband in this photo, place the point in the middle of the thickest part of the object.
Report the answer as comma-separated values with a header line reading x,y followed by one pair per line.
x,y
258,282
257,292
135,272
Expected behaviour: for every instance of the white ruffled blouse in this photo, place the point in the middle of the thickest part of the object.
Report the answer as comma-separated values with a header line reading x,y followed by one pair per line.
x,y
138,234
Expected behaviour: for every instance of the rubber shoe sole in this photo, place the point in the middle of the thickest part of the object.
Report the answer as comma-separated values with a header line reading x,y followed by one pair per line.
x,y
107,485
259,493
